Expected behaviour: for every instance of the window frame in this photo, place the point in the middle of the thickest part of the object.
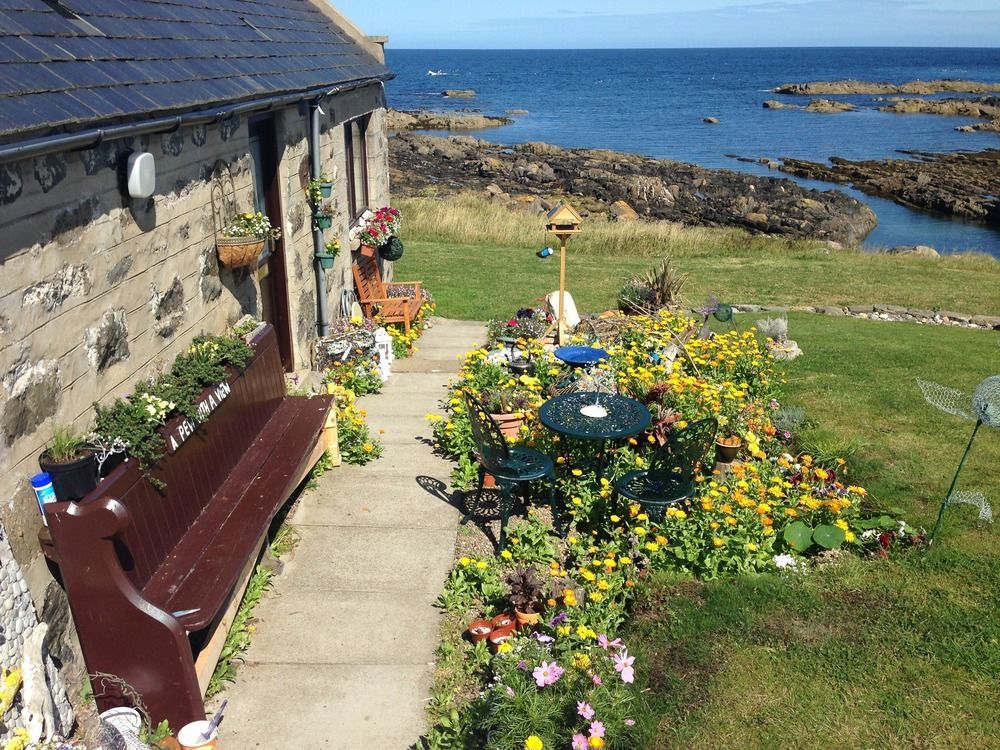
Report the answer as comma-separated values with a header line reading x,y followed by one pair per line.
x,y
357,203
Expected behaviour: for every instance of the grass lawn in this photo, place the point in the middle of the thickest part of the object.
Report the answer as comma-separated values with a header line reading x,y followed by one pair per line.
x,y
902,653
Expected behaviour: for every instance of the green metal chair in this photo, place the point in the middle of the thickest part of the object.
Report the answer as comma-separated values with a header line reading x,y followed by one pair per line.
x,y
669,480
514,468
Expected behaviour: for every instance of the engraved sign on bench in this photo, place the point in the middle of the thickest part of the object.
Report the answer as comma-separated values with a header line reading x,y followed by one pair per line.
x,y
209,403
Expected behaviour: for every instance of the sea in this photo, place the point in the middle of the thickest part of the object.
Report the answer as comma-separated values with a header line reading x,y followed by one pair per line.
x,y
653,101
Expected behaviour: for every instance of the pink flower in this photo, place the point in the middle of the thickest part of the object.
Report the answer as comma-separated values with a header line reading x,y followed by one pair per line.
x,y
597,729
547,674
603,642
580,742
623,665
630,722
596,679
585,710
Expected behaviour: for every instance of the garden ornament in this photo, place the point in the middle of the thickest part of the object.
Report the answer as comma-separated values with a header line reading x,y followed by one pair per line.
x,y
983,409
721,311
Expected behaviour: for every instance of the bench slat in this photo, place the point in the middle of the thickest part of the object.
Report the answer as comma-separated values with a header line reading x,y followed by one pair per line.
x,y
205,565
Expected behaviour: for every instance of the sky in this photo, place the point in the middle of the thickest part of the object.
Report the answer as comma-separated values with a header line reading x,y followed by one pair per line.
x,y
531,24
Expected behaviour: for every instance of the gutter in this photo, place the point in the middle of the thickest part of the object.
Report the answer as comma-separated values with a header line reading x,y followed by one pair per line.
x,y
94,137
315,168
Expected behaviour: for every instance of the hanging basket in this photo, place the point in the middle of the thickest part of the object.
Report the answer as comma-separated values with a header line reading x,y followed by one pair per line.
x,y
323,221
238,252
391,250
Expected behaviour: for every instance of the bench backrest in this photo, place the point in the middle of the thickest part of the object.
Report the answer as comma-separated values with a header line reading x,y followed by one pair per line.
x,y
368,278
195,471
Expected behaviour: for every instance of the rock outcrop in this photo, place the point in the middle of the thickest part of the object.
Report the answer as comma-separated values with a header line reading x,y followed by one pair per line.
x,y
656,189
819,88
961,184
829,106
775,104
983,107
423,120
458,93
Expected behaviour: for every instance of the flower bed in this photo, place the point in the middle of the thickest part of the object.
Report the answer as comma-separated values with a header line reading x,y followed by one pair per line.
x,y
403,343
562,684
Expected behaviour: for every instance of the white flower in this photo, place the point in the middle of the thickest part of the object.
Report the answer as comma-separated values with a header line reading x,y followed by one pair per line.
x,y
869,534
151,409
784,561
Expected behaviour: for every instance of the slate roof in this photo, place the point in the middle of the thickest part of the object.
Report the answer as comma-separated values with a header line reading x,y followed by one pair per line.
x,y
66,64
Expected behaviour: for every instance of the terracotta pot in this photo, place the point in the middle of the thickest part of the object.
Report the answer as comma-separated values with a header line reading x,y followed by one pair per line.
x,y
502,621
725,454
526,620
489,481
479,630
509,424
500,635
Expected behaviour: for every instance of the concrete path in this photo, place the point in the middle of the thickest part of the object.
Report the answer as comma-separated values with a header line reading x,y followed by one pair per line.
x,y
343,653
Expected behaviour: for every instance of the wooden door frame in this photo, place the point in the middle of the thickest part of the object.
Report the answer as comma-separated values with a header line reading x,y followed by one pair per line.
x,y
262,126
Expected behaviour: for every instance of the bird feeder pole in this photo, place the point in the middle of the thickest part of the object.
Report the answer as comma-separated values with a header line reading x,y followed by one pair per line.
x,y
563,221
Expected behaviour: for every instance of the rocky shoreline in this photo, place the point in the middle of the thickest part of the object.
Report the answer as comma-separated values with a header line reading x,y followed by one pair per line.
x,y
397,120
654,188
963,184
818,88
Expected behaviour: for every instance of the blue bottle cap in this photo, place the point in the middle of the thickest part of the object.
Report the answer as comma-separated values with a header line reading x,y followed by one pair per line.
x,y
40,480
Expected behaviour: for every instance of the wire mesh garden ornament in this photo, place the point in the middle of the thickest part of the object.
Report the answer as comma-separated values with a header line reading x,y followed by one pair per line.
x,y
983,408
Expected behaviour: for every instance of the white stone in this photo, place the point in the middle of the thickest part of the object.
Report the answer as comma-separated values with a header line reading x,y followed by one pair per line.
x,y
572,318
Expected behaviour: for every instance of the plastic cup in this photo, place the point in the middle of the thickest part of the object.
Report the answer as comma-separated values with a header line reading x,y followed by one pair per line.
x,y
189,738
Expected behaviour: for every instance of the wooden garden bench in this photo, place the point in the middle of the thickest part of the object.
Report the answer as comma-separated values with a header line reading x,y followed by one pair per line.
x,y
153,577
375,301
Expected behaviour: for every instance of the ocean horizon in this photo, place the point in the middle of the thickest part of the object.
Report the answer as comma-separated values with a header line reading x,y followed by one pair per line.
x,y
653,101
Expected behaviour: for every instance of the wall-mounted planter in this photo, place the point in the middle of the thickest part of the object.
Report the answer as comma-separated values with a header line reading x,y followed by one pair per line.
x,y
326,189
323,221
326,260
237,252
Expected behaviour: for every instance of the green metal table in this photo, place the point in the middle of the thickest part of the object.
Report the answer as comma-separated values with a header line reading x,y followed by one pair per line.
x,y
573,416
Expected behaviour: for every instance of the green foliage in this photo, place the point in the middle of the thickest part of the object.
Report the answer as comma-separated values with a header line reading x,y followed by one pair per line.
x,y
798,536
323,465
238,639
65,444
531,541
362,376
828,536
471,581
137,418
151,735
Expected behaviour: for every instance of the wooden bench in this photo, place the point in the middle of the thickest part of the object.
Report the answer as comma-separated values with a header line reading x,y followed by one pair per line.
x,y
151,574
373,298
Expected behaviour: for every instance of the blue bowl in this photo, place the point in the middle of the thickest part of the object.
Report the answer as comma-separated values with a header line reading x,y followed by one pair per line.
x,y
581,356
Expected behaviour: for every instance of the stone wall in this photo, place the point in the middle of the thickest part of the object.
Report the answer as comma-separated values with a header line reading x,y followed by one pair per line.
x,y
98,290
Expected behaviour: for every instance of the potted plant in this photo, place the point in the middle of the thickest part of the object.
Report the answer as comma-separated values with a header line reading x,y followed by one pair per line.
x,y
323,215
320,188
374,229
727,448
327,259
242,240
525,593
70,462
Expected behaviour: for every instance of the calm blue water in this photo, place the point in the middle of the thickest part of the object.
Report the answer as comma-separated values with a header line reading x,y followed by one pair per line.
x,y
652,102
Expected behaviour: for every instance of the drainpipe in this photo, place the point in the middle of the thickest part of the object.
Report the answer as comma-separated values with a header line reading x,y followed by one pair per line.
x,y
323,304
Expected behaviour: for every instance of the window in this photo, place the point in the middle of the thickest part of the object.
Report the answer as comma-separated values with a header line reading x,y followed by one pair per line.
x,y
356,154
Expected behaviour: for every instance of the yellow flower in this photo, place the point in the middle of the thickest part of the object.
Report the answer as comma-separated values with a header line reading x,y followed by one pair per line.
x,y
639,531
505,648
603,585
367,447
596,743
587,574
840,523
534,742
581,661
615,519
628,560
563,630
577,472
596,596
506,555
465,561
481,564
718,541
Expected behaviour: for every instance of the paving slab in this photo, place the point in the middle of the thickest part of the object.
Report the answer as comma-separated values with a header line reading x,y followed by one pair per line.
x,y
344,646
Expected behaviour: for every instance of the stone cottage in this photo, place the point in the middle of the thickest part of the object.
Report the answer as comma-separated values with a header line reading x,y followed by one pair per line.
x,y
236,103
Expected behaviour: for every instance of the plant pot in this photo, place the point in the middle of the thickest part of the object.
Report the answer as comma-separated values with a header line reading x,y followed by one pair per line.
x,y
478,630
74,479
391,250
509,424
326,189
111,463
323,221
726,454
238,252
502,621
489,481
326,260
526,620
500,635
368,251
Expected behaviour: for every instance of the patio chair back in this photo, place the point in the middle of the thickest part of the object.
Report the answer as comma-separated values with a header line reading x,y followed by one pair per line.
x,y
491,445
683,452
